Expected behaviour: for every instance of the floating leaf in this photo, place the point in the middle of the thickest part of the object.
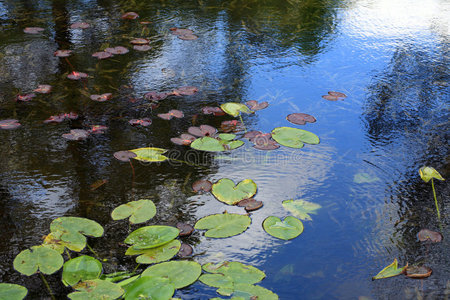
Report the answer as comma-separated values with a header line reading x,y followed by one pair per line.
x,y
142,47
185,229
187,37
101,98
226,191
72,231
97,129
10,291
202,130
9,124
139,41
300,118
250,292
25,97
62,53
301,208
141,122
180,31
418,272
184,139
117,50
102,55
231,125
252,134
211,144
61,117
202,186
238,272
80,25
365,178
76,135
77,75
150,154
264,141
151,236
131,15
334,96
294,137
81,268
171,114
138,211
39,258
287,229
217,111
43,89
96,289
179,273
155,255
185,250
429,235
250,204
427,173
390,271
223,225
156,96
124,155
234,109
150,287
33,30
185,91
217,280
255,105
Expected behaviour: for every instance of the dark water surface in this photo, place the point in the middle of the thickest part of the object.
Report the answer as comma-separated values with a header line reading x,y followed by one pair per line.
x,y
390,57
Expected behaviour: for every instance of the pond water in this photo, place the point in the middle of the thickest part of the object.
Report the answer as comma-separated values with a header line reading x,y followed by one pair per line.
x,y
390,58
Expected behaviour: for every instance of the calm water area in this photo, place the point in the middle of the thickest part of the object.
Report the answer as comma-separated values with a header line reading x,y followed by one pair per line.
x,y
391,59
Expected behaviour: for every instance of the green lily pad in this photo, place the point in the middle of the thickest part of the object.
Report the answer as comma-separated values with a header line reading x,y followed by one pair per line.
x,y
294,137
250,292
41,258
288,229
155,255
147,287
234,109
390,271
150,154
223,225
365,178
217,280
226,191
52,240
301,208
72,230
139,211
151,236
427,173
236,271
215,145
80,269
96,289
11,291
227,136
179,273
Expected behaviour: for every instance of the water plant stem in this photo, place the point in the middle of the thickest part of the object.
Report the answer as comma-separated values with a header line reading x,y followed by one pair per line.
x,y
93,252
435,200
48,286
138,265
134,175
68,254
242,121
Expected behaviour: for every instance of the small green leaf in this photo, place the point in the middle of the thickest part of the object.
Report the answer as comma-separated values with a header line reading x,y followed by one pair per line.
x,y
139,211
150,154
10,291
155,255
223,225
41,258
80,269
147,287
234,109
151,236
301,208
427,173
390,271
288,229
249,291
294,137
96,289
227,136
179,273
215,145
236,271
226,191
217,280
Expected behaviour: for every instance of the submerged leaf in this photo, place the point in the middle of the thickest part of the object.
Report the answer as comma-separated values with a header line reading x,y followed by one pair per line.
x,y
102,55
131,15
390,271
33,30
223,225
9,124
43,89
138,211
365,178
62,53
301,208
117,50
76,135
287,229
227,192
80,25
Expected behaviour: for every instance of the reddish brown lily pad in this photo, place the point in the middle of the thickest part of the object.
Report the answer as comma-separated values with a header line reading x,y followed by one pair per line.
x,y
61,117
131,15
25,97
80,25
185,139
255,105
426,235
43,89
33,30
264,141
77,75
117,50
185,91
142,122
202,186
156,96
334,96
300,118
76,135
101,98
211,110
185,250
418,272
187,37
9,124
145,22
140,41
185,229
124,155
180,31
97,129
250,204
172,114
142,47
62,53
251,134
202,130
231,125
102,55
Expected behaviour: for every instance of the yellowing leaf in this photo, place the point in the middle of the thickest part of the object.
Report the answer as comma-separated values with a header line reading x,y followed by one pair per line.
x,y
390,271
